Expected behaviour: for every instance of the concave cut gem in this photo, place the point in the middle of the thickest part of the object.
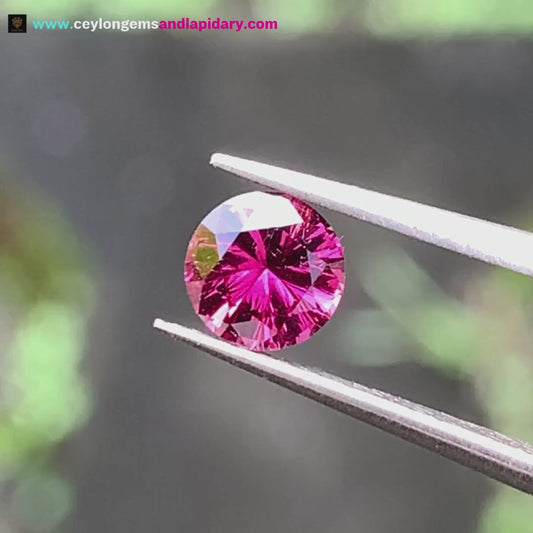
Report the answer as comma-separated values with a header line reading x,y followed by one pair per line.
x,y
264,270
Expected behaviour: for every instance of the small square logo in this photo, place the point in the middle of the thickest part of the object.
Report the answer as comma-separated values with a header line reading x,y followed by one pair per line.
x,y
16,23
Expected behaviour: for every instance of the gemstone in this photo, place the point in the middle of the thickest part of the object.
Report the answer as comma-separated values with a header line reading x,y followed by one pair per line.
x,y
264,270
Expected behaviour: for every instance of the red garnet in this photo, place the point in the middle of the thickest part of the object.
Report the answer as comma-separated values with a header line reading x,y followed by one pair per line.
x,y
264,271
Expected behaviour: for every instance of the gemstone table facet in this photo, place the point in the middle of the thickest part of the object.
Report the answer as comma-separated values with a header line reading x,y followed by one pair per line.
x,y
264,270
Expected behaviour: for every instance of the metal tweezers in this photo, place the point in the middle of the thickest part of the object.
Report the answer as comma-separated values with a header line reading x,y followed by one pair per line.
x,y
502,458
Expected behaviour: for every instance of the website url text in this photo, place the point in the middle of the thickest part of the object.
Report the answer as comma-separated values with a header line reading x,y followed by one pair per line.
x,y
184,23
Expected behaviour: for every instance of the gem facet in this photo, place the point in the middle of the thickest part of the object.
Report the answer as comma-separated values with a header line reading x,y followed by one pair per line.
x,y
264,270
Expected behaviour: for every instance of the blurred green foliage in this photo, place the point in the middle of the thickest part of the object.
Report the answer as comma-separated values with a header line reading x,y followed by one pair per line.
x,y
384,18
485,337
447,17
46,299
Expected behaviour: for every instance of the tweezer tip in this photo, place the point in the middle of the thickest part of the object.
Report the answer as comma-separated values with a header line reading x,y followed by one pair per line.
x,y
217,158
232,163
162,325
182,333
175,330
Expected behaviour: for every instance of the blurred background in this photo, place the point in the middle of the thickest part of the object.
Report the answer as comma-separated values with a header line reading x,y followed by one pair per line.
x,y
105,138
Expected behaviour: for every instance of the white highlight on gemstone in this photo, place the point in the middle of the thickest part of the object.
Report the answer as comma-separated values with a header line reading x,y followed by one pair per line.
x,y
235,214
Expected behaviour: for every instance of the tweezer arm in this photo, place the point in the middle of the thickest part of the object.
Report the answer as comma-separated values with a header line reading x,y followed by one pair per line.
x,y
501,458
493,243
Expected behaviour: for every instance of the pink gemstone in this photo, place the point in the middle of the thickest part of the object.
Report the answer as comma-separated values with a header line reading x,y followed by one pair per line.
x,y
264,271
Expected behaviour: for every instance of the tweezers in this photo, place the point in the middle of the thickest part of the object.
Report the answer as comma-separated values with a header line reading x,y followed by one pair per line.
x,y
497,456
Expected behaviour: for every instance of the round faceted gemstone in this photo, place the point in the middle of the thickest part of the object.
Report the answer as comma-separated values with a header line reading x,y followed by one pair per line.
x,y
264,271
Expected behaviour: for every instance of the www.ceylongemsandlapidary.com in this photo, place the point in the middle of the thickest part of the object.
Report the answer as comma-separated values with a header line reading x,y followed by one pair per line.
x,y
184,23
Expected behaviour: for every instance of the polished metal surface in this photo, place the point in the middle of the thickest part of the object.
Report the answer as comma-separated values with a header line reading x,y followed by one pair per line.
x,y
497,456
507,460
493,243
